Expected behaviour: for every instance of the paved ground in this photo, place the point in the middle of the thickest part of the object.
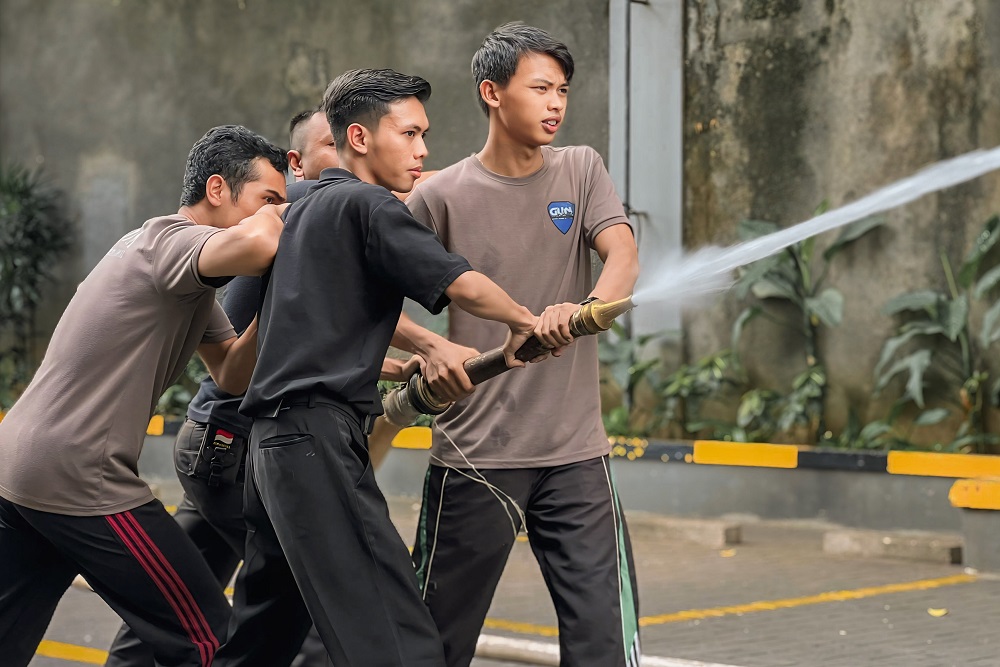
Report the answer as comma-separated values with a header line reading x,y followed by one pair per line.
x,y
772,601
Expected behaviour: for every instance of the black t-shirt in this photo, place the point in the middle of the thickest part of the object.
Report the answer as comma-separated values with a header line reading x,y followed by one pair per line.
x,y
299,189
211,404
349,253
240,301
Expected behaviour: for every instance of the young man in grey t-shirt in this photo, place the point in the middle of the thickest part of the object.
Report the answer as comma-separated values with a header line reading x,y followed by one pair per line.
x,y
527,215
71,500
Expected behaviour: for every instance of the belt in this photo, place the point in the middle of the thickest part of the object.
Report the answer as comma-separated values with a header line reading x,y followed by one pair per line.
x,y
310,399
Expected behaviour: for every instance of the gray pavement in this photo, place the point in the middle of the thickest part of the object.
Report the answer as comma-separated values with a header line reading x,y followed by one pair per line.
x,y
774,600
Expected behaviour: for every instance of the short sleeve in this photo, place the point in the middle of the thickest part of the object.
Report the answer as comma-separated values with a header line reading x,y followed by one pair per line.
x,y
219,328
405,253
603,208
175,259
419,208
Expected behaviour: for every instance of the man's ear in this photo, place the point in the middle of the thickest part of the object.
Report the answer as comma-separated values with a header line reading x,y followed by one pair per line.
x,y
489,92
216,189
358,138
295,163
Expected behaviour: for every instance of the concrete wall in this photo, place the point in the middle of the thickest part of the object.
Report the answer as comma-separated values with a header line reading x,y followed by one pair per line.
x,y
790,102
108,96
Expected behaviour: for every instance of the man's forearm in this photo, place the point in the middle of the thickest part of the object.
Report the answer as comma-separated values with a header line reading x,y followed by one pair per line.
x,y
621,264
479,296
411,337
238,364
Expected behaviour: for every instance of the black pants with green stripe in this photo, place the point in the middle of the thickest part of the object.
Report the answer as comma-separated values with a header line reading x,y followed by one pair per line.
x,y
578,535
139,561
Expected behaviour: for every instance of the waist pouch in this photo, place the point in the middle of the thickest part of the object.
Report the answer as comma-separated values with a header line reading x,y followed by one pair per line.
x,y
211,453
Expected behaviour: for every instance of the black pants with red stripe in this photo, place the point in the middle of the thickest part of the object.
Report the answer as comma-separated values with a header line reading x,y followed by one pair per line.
x,y
139,561
213,518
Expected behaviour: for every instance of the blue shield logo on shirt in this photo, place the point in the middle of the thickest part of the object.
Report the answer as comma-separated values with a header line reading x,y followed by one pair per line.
x,y
561,213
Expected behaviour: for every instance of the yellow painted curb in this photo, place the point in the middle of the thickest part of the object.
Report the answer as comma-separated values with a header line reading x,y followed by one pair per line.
x,y
716,452
976,494
414,437
155,425
930,464
61,651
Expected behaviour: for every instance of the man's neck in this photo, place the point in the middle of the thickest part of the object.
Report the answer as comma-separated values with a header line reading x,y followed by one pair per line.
x,y
506,157
196,214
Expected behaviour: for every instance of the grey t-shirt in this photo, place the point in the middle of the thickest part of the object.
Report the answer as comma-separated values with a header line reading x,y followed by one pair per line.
x,y
533,237
71,443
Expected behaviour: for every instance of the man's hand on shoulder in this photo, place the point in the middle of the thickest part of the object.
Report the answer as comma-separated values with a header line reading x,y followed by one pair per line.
x,y
246,249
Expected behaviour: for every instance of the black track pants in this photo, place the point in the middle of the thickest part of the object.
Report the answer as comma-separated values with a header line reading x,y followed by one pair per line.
x,y
577,533
139,561
213,519
319,524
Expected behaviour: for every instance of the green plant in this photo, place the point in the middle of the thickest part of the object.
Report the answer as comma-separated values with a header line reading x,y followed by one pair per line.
x,y
34,234
174,401
685,390
935,338
795,277
628,366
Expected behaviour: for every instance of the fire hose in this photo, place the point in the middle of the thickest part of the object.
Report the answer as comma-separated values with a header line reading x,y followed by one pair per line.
x,y
405,403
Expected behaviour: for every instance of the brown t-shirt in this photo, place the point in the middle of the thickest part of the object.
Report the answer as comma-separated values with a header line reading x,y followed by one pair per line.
x,y
71,443
533,237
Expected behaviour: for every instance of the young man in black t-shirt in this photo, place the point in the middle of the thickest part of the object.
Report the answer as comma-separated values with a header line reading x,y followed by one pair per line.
x,y
349,253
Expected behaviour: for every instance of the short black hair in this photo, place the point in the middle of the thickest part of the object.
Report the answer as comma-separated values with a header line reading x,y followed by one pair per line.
x,y
229,151
298,119
364,95
501,51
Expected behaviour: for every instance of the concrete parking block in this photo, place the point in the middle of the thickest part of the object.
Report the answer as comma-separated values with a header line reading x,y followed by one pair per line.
x,y
909,545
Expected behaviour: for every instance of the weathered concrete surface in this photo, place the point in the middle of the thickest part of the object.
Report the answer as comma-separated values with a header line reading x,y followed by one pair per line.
x,y
945,548
790,102
108,96
715,533
981,532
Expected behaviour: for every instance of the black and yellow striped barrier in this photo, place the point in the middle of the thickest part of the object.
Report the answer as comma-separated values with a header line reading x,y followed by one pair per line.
x,y
758,455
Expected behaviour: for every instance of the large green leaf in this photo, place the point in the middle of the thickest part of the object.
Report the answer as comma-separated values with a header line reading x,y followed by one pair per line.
x,y
955,316
991,326
752,229
918,300
890,347
828,307
741,321
923,327
754,272
873,431
931,417
915,365
852,232
982,245
987,282
775,287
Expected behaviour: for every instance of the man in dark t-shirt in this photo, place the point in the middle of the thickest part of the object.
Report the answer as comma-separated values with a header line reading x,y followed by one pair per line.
x,y
349,253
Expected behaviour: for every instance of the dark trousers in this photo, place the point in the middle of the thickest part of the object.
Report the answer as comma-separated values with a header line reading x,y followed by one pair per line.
x,y
320,544
213,518
139,561
578,535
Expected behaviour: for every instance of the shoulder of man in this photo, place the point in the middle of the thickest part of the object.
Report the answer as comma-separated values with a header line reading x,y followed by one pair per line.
x,y
581,156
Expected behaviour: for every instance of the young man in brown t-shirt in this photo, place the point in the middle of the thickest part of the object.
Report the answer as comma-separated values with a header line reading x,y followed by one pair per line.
x,y
527,215
71,500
